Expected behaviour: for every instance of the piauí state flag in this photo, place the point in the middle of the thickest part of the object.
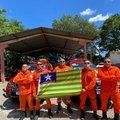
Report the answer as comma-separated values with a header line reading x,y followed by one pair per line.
x,y
60,84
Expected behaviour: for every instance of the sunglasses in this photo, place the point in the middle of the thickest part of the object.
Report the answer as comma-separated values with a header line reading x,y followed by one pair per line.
x,y
86,63
107,61
39,64
62,61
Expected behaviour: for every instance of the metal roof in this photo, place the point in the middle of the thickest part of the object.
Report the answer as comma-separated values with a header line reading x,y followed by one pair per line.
x,y
42,39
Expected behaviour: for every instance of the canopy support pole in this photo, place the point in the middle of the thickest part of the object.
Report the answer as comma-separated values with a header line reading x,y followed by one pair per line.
x,y
83,44
2,64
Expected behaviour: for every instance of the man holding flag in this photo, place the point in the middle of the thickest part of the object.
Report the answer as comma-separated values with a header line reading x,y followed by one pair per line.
x,y
36,79
62,67
88,89
46,64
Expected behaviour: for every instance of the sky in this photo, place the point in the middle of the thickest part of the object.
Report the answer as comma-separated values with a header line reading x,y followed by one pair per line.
x,y
41,13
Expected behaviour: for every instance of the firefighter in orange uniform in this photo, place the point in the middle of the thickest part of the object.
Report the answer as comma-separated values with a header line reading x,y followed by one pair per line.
x,y
88,89
24,80
109,76
36,76
61,68
46,64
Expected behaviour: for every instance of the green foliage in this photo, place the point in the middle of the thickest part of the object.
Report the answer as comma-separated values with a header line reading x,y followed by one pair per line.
x,y
110,34
13,59
8,26
75,24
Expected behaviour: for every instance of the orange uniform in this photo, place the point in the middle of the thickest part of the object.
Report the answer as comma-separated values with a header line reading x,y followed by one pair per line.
x,y
62,69
24,81
88,83
36,77
109,87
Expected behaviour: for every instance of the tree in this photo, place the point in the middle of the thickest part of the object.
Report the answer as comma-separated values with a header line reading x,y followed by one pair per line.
x,y
110,34
8,26
75,24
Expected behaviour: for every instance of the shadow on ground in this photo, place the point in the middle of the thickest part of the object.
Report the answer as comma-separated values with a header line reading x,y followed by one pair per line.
x,y
62,115
15,112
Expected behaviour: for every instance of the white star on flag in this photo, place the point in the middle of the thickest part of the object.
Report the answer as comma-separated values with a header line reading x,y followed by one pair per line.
x,y
48,77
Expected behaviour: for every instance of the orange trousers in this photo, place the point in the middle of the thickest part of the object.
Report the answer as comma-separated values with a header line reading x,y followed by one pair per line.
x,y
67,99
115,97
26,99
83,96
48,104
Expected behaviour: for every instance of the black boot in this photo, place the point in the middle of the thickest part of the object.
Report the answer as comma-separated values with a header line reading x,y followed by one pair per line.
x,y
82,116
37,114
50,115
58,108
104,115
25,113
69,109
95,115
31,115
22,116
116,116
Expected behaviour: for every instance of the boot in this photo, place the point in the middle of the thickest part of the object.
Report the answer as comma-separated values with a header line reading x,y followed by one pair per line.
x,y
37,114
95,115
31,115
22,116
58,108
82,116
104,115
116,116
25,113
69,109
50,115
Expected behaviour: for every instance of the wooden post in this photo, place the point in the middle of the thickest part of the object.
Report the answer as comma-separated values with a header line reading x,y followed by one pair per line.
x,y
85,51
2,48
83,44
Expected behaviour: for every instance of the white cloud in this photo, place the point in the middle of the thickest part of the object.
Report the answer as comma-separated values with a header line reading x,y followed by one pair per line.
x,y
88,11
99,17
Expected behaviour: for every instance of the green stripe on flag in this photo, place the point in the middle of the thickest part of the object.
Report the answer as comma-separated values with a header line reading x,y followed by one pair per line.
x,y
72,72
60,91
62,87
42,96
63,83
68,78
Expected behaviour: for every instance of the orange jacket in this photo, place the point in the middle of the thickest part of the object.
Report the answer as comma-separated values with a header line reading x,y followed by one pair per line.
x,y
24,81
62,68
88,78
109,77
36,78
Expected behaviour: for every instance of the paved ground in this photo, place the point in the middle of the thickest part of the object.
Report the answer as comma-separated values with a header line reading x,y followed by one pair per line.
x,y
10,110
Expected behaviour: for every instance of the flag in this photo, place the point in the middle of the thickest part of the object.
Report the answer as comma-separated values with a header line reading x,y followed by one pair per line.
x,y
60,84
